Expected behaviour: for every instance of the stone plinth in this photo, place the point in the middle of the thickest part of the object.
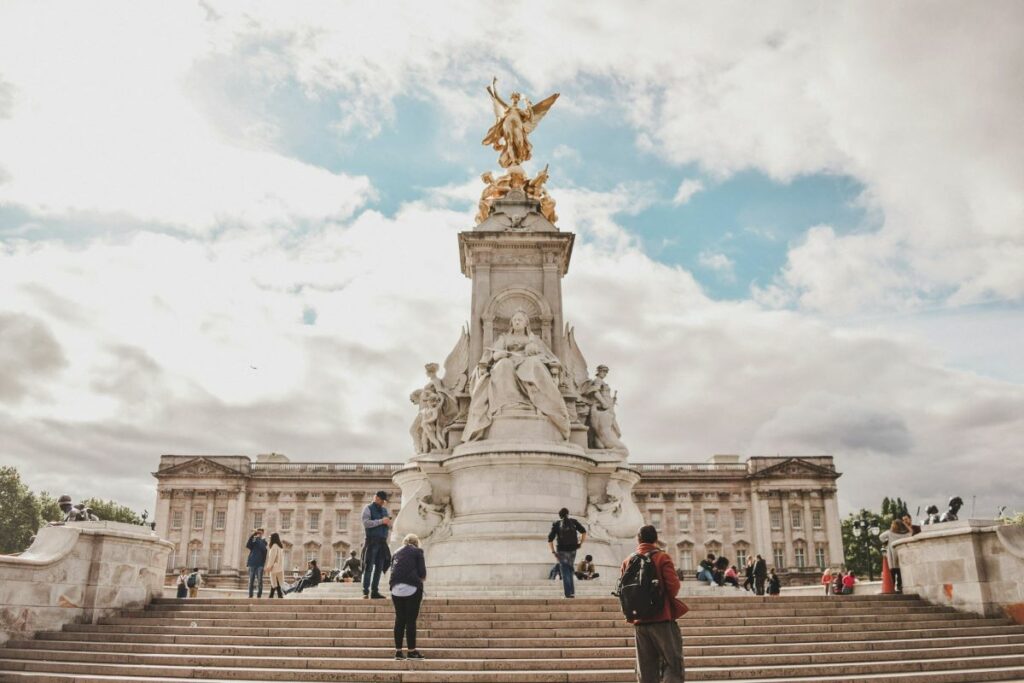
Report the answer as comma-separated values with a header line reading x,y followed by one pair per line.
x,y
77,573
485,510
972,565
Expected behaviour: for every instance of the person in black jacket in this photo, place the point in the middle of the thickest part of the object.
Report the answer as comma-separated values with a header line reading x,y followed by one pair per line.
x,y
571,535
760,574
257,558
309,579
408,572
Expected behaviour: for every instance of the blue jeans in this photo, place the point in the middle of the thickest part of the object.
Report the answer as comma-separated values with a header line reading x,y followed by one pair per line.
x,y
566,561
374,565
556,572
705,575
256,577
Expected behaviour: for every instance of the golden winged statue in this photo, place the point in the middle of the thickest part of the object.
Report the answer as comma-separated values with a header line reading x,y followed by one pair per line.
x,y
512,125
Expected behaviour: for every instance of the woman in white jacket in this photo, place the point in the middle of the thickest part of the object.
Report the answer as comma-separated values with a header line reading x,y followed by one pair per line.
x,y
275,565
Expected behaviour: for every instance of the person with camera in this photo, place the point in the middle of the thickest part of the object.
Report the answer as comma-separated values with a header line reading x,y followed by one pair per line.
x,y
257,547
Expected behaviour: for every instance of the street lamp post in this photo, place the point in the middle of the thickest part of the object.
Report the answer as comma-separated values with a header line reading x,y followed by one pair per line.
x,y
866,526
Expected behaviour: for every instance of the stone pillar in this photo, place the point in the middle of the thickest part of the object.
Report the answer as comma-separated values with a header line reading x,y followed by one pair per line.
x,y
163,513
235,532
833,529
186,529
808,529
787,530
759,525
211,497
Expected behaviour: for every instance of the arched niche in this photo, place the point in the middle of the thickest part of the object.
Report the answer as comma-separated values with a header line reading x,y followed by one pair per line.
x,y
499,310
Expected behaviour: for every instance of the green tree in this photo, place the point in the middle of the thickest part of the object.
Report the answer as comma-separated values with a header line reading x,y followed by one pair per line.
x,y
112,511
49,511
863,553
19,512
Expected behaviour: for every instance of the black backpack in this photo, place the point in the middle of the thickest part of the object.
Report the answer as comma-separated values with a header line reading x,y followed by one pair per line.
x,y
639,589
567,534
191,581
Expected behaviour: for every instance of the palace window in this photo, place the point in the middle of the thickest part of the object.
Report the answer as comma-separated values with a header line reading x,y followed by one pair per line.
x,y
339,558
341,521
198,517
314,520
170,562
257,519
819,556
311,554
801,555
177,518
778,556
686,557
711,520
655,517
739,519
816,518
193,557
220,519
741,556
286,520
215,556
797,515
683,520
775,518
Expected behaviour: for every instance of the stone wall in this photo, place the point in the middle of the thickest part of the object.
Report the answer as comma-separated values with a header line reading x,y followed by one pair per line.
x,y
79,573
972,565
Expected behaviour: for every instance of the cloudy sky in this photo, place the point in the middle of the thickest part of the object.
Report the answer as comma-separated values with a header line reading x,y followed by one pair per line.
x,y
231,228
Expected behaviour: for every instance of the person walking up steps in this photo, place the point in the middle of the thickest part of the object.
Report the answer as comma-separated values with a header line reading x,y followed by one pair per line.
x,y
647,591
376,555
571,535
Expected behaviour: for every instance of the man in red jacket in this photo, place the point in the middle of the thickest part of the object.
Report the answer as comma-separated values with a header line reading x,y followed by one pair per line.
x,y
659,644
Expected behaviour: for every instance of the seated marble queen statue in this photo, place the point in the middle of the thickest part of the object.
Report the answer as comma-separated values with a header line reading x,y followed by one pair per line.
x,y
516,373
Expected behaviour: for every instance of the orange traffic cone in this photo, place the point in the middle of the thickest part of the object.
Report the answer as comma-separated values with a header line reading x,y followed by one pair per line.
x,y
888,586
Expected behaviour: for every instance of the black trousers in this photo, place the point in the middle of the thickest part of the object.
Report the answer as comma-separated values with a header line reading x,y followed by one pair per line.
x,y
759,585
407,610
897,579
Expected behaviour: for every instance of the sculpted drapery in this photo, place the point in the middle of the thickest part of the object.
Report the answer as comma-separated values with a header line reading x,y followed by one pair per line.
x,y
516,373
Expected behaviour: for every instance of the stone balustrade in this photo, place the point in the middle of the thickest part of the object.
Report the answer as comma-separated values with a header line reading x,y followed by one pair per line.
x,y
79,573
971,565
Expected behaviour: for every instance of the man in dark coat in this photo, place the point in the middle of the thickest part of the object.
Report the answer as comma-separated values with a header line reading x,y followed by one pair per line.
x,y
257,558
376,555
760,575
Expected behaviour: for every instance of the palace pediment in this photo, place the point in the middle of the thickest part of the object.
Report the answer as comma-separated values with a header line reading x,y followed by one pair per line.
x,y
198,467
795,468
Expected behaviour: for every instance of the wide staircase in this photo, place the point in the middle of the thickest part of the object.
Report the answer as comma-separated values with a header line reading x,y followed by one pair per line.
x,y
502,639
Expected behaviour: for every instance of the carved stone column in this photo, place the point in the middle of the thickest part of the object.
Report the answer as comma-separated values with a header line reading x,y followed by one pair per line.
x,y
833,528
186,528
163,513
808,529
211,497
235,531
787,530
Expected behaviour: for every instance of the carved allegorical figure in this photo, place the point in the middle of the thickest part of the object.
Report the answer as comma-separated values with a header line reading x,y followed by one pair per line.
x,y
513,125
519,371
596,406
436,401
604,429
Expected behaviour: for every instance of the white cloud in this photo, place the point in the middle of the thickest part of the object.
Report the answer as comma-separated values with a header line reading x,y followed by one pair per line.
x,y
718,262
141,342
687,189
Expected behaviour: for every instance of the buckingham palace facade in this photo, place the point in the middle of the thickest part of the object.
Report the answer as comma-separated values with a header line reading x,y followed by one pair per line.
x,y
783,508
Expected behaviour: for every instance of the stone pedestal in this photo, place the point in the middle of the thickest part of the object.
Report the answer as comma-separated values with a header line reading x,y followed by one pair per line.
x,y
484,511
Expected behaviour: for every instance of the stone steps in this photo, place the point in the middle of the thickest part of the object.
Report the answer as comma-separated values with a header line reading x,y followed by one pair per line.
x,y
795,638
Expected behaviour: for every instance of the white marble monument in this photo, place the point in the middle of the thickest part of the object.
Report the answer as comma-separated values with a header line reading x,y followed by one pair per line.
x,y
516,428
